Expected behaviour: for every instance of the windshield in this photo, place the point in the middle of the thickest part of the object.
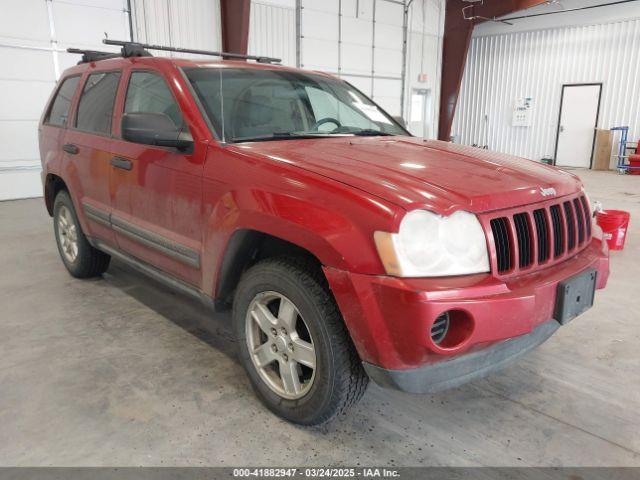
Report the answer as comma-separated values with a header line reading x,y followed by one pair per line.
x,y
245,104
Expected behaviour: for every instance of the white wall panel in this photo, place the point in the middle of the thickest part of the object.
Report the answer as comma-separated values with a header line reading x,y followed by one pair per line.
x,y
363,84
26,21
501,68
341,37
33,37
424,54
83,25
328,6
272,31
360,58
178,23
387,93
357,31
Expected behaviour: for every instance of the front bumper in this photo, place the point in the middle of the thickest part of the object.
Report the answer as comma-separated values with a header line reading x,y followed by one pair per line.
x,y
451,373
390,320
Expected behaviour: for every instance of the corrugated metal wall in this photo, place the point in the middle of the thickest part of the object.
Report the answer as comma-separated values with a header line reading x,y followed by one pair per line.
x,y
177,23
536,64
272,32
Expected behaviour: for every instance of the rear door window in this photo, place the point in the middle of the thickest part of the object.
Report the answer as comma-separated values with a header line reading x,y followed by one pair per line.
x,y
59,111
95,108
149,93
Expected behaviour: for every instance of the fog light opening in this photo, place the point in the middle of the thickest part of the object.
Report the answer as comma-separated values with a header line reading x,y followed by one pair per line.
x,y
451,329
440,327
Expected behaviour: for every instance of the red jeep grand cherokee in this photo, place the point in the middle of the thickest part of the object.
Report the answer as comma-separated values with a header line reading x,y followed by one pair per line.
x,y
347,248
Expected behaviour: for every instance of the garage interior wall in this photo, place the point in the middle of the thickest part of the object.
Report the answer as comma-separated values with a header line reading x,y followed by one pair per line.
x,y
424,67
339,36
362,42
272,30
177,23
504,65
34,36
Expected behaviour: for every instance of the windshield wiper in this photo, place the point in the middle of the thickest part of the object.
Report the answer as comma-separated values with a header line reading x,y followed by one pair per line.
x,y
278,136
369,132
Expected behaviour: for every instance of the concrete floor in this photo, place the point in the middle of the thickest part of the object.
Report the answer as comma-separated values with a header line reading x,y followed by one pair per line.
x,y
120,371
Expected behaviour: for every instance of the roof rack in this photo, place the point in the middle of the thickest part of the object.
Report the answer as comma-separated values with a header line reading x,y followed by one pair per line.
x,y
92,55
129,49
134,49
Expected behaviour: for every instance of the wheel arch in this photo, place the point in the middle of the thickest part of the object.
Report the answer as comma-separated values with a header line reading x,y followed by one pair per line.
x,y
52,185
245,248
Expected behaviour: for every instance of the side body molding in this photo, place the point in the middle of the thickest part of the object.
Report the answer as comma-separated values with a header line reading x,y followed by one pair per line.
x,y
164,245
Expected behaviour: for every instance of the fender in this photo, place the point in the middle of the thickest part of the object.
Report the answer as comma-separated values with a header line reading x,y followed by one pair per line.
x,y
336,228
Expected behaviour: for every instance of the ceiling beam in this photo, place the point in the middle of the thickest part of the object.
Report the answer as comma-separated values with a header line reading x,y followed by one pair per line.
x,y
235,25
456,40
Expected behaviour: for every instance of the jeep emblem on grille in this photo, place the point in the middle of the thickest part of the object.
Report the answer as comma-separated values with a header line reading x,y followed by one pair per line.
x,y
545,192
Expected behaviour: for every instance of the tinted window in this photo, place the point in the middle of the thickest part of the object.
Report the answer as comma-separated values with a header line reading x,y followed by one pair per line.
x,y
149,93
96,103
60,108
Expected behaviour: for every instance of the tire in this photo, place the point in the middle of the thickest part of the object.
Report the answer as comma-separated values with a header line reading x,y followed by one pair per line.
x,y
80,258
337,380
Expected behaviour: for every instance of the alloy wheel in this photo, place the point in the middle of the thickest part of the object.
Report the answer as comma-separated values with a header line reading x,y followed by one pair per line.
x,y
67,234
280,345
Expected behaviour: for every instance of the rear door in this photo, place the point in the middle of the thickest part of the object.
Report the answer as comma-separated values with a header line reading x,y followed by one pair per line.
x,y
54,122
157,191
87,149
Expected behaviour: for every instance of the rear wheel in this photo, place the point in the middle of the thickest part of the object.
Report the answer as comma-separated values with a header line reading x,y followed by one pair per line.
x,y
80,258
293,343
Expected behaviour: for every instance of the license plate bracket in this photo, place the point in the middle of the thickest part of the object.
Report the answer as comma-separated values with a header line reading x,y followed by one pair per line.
x,y
575,295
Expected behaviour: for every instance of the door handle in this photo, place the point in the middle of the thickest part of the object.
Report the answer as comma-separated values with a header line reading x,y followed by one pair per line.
x,y
122,163
70,148
561,128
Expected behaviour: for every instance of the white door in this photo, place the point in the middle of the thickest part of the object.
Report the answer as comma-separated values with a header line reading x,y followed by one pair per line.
x,y
578,118
420,113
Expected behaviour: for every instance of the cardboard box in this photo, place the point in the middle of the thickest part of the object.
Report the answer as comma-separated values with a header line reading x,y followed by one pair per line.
x,y
602,150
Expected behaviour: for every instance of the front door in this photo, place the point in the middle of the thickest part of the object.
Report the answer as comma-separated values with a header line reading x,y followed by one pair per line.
x,y
576,130
157,191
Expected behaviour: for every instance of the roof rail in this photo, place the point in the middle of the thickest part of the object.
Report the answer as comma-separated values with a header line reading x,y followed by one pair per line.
x,y
130,48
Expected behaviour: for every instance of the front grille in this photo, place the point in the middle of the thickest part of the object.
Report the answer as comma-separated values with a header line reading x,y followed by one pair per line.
x,y
538,235
542,232
571,225
558,230
500,229
525,252
587,215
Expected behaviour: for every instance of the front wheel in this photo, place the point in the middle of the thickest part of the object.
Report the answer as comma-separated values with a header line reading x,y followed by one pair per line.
x,y
293,343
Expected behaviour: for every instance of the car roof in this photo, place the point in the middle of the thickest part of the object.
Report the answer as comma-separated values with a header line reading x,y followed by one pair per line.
x,y
163,62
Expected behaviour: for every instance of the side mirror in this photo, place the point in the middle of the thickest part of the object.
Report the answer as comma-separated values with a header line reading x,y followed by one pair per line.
x,y
401,121
154,129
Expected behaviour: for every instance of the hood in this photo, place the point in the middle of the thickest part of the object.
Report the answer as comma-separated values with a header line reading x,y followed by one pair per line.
x,y
413,173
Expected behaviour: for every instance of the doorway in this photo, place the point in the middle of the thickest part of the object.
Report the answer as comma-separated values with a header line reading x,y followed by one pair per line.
x,y
577,121
420,114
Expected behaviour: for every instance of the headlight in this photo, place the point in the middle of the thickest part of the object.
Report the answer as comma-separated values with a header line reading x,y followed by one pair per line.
x,y
430,245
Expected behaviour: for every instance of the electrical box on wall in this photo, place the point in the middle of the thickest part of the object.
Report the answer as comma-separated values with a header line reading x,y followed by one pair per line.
x,y
522,112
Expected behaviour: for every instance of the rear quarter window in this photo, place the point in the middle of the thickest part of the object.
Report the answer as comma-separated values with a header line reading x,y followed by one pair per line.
x,y
59,111
95,108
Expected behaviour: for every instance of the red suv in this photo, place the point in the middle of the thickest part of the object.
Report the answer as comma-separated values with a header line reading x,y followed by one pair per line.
x,y
348,249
